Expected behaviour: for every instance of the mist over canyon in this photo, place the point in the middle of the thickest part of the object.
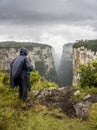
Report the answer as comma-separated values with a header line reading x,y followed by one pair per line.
x,y
64,66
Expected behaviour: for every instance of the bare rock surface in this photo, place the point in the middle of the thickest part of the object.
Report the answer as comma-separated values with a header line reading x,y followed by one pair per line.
x,y
63,98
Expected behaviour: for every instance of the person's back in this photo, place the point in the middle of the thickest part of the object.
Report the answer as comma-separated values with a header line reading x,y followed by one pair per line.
x,y
18,76
17,66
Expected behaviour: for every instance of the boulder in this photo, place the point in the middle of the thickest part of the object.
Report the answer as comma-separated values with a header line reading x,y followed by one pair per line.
x,y
63,98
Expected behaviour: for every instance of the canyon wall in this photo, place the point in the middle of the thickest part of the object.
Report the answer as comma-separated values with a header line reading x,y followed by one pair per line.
x,y
83,53
65,67
40,56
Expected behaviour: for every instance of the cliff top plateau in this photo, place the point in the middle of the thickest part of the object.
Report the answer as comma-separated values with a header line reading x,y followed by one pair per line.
x,y
89,44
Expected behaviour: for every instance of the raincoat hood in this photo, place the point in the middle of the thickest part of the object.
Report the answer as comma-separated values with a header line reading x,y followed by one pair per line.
x,y
23,51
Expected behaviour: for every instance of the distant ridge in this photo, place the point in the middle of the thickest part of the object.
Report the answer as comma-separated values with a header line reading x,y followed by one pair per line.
x,y
9,44
89,44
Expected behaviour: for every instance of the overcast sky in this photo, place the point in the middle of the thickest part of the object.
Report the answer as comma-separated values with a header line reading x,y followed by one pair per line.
x,y
53,22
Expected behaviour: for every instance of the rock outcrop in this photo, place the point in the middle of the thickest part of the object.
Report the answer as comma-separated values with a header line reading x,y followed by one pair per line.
x,y
64,98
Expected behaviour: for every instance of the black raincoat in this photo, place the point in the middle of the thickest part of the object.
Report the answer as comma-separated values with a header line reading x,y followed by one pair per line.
x,y
20,73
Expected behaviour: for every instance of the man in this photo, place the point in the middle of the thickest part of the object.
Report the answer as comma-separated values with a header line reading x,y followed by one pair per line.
x,y
20,73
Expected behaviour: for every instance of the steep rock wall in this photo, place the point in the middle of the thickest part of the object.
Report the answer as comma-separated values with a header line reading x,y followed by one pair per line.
x,y
65,66
81,55
40,56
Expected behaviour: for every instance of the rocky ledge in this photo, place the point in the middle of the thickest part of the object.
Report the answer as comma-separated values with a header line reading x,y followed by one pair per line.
x,y
64,98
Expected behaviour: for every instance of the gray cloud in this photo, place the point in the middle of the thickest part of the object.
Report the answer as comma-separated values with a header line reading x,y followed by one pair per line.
x,y
54,22
48,11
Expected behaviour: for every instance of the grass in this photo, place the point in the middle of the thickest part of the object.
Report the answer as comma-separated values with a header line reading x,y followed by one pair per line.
x,y
17,115
83,92
93,116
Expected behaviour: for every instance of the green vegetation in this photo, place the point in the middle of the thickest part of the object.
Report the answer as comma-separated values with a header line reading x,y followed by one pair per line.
x,y
17,115
88,74
28,45
4,78
87,83
38,83
89,44
83,92
93,116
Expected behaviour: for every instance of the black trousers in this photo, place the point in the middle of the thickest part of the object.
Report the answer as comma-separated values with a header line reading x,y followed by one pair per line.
x,y
23,94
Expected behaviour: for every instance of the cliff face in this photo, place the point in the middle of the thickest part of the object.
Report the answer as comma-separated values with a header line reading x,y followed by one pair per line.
x,y
65,67
81,55
67,52
39,54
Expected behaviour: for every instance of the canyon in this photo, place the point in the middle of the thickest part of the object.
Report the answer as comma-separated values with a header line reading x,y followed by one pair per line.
x,y
46,61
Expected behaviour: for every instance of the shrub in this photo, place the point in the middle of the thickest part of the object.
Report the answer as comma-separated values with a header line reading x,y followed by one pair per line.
x,y
4,78
34,77
42,84
36,80
88,74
